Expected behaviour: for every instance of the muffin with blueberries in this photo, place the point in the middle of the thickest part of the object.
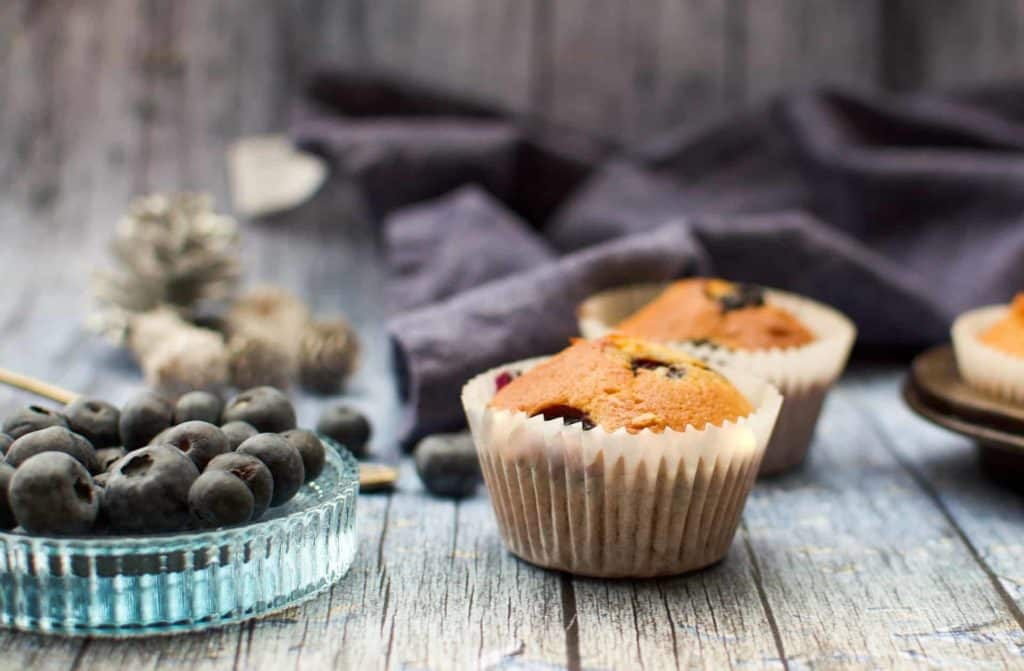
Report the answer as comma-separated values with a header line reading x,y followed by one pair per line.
x,y
989,346
797,344
619,457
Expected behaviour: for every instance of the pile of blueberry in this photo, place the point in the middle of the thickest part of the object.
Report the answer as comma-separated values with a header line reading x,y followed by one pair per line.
x,y
153,466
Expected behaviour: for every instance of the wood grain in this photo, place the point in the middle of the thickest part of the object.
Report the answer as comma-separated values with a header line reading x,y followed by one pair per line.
x,y
713,619
481,50
944,465
956,42
890,549
854,537
796,44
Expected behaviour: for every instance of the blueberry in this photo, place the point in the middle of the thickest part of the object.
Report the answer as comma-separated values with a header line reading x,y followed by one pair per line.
x,y
448,465
32,418
741,296
147,490
108,456
143,417
238,433
7,520
198,405
5,443
201,441
52,493
672,371
505,378
266,408
348,426
219,499
53,439
311,450
283,460
96,420
568,414
253,472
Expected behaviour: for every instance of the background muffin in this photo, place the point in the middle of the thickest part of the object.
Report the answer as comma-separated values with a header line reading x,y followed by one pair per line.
x,y
799,345
729,314
989,346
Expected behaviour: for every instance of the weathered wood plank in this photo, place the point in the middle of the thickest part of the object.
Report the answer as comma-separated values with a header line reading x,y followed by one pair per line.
x,y
862,570
432,588
988,516
342,629
625,70
588,65
713,619
953,43
478,49
886,550
795,44
54,159
685,67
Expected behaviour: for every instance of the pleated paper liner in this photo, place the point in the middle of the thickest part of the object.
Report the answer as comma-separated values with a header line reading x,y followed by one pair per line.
x,y
616,504
803,375
983,367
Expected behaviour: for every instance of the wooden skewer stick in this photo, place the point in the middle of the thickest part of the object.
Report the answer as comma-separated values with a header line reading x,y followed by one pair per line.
x,y
37,387
371,476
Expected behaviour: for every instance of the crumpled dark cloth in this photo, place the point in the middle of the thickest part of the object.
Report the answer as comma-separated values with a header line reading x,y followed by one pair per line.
x,y
901,212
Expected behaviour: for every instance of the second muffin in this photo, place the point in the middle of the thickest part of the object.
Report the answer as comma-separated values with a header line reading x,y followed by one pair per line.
x,y
799,345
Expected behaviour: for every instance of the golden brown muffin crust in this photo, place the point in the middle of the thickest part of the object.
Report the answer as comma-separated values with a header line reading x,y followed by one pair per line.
x,y
724,313
619,381
1007,335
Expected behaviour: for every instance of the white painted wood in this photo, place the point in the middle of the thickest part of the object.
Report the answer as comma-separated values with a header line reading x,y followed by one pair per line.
x,y
889,549
862,569
989,516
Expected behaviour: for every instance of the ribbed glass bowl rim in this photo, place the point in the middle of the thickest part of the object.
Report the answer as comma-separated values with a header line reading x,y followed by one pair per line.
x,y
186,540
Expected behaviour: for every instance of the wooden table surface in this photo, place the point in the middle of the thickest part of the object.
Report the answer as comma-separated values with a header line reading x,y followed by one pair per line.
x,y
888,549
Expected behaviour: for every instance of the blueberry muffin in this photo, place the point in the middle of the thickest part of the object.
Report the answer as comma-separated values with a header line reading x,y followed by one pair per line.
x,y
624,383
723,313
1007,334
619,457
797,344
989,346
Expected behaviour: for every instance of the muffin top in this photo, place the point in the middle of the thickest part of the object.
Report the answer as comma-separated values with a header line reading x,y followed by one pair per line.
x,y
623,382
1007,334
723,313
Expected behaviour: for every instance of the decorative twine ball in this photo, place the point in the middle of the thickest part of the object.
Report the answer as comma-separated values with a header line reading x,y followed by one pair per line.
x,y
177,356
271,310
327,355
256,360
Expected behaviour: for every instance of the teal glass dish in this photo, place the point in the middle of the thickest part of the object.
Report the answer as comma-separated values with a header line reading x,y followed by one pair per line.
x,y
122,586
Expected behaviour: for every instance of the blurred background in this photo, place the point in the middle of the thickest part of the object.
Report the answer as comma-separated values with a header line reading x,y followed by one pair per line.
x,y
103,101
618,69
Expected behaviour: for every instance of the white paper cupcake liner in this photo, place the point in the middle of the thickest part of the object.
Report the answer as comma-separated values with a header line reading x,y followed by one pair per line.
x,y
981,366
803,374
616,504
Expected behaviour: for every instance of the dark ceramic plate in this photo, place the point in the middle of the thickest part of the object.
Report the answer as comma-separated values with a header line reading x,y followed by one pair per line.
x,y
934,390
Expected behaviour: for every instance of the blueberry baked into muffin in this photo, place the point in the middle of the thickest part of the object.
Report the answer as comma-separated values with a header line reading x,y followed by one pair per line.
x,y
799,345
619,457
989,346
